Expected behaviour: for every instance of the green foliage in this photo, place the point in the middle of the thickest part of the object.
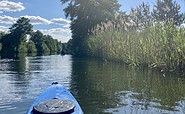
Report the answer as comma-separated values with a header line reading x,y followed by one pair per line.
x,y
21,27
16,40
17,35
9,44
151,39
167,10
19,30
140,16
37,38
45,43
31,47
22,48
1,35
0,47
161,46
67,48
59,46
85,14
43,49
51,43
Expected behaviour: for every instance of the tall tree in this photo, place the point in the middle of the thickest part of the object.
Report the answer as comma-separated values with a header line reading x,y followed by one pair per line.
x,y
59,46
85,14
51,43
1,35
140,17
0,46
17,34
31,47
44,43
168,10
38,38
20,29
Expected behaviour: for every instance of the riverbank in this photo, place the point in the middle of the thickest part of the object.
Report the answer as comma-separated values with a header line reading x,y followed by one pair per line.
x,y
157,46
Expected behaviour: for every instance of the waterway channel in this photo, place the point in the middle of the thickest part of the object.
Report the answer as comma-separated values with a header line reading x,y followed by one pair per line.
x,y
101,87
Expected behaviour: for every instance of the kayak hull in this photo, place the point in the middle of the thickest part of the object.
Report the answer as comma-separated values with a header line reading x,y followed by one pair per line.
x,y
56,91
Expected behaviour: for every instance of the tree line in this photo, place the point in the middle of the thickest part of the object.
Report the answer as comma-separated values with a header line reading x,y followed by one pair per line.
x,y
96,15
146,36
85,14
22,39
153,39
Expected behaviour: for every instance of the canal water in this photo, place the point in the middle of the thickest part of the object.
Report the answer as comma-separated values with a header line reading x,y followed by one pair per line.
x,y
100,87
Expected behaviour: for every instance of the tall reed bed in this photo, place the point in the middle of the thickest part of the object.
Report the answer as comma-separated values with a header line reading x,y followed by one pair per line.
x,y
157,46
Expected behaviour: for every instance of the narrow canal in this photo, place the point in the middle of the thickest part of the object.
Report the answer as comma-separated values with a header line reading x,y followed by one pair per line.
x,y
100,87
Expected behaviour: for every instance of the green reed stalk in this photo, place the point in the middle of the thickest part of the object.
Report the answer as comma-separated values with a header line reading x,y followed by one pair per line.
x,y
157,46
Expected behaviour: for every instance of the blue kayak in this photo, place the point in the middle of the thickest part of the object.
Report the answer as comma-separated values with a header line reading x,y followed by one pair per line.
x,y
56,99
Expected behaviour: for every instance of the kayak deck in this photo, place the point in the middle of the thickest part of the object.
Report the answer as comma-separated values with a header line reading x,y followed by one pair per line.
x,y
59,92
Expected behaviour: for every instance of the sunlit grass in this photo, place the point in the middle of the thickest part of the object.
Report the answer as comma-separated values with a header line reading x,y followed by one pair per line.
x,y
157,46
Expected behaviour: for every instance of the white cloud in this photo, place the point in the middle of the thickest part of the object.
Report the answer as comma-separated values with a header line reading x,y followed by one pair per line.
x,y
61,34
36,20
7,6
66,26
4,29
7,20
60,21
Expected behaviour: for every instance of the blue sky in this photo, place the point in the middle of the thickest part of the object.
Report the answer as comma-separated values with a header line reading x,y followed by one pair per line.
x,y
48,16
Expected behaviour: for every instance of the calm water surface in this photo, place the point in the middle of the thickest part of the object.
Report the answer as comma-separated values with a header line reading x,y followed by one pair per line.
x,y
100,87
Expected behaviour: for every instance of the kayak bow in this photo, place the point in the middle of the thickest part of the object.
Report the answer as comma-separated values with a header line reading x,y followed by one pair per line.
x,y
56,99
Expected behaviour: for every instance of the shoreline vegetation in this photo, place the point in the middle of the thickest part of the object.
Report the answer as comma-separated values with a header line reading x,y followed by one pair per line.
x,y
150,37
22,39
158,46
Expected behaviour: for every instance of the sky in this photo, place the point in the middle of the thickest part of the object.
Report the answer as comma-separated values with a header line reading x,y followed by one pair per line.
x,y
48,16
